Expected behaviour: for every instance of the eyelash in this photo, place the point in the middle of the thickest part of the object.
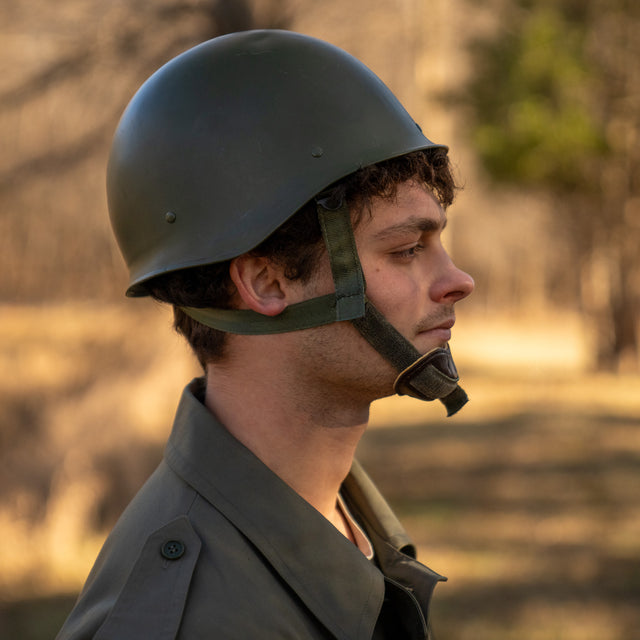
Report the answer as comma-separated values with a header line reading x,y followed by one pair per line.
x,y
410,252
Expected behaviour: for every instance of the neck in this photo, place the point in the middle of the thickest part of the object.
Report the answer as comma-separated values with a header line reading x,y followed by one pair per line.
x,y
306,436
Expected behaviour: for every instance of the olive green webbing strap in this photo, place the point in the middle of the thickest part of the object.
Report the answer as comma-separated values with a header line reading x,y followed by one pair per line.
x,y
343,255
302,315
346,304
388,341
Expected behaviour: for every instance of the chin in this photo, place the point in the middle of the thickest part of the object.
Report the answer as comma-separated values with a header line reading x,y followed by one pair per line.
x,y
383,388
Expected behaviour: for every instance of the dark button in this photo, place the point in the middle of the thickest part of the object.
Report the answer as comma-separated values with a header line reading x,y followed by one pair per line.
x,y
173,549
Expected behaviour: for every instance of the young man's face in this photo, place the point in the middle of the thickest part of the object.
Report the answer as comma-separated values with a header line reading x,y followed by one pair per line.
x,y
410,279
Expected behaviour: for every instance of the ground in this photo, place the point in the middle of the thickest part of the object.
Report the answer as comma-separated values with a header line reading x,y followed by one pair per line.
x,y
527,500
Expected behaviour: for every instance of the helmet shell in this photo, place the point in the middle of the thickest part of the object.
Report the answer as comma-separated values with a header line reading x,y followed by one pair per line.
x,y
226,141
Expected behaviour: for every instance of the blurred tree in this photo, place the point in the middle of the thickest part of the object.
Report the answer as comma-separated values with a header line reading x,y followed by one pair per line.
x,y
68,70
555,106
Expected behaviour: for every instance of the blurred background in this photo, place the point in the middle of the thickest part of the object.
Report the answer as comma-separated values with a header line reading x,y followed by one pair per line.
x,y
528,500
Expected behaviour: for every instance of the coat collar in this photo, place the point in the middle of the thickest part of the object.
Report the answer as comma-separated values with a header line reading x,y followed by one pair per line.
x,y
298,542
395,553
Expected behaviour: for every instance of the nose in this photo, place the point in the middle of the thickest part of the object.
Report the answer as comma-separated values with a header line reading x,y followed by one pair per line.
x,y
453,284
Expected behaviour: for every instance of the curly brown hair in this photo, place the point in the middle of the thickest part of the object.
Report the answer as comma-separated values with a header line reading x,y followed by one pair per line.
x,y
296,244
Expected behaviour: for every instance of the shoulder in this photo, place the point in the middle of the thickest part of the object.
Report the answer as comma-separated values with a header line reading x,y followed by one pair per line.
x,y
175,567
144,569
145,599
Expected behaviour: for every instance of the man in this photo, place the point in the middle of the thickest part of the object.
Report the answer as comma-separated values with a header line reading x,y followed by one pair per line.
x,y
256,183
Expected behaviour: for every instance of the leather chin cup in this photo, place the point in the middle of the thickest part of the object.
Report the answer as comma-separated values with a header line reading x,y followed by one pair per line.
x,y
433,376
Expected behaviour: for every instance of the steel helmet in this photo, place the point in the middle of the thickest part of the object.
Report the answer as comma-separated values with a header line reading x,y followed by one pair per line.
x,y
226,141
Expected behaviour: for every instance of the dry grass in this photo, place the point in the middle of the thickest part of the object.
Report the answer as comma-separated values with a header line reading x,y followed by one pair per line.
x,y
88,394
527,500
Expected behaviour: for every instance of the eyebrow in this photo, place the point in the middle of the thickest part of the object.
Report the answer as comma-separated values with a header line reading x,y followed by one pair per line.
x,y
412,225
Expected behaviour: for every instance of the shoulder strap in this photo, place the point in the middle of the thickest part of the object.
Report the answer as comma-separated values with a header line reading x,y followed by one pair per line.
x,y
152,600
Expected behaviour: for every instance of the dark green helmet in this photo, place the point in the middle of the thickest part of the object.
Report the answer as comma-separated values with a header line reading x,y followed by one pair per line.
x,y
225,142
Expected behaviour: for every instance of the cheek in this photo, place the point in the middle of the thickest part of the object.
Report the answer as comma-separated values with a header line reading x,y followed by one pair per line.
x,y
392,293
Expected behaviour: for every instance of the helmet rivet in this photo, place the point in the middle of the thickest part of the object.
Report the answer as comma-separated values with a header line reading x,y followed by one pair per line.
x,y
170,217
317,152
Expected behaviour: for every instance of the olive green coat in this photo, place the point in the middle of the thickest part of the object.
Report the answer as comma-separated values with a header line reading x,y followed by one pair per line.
x,y
215,545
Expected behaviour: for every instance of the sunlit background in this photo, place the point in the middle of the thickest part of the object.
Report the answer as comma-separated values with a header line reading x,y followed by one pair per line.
x,y
529,499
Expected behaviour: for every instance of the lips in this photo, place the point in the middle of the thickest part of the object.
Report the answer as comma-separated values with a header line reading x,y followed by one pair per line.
x,y
443,325
446,325
441,331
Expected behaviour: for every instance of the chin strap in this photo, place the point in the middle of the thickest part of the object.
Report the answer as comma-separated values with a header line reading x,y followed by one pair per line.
x,y
347,303
432,376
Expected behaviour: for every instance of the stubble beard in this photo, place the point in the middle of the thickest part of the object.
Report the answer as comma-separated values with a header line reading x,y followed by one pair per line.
x,y
346,366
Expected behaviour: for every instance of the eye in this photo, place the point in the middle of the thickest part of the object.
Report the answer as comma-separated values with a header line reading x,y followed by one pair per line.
x,y
409,253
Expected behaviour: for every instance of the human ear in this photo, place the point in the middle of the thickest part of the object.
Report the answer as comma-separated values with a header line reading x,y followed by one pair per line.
x,y
259,284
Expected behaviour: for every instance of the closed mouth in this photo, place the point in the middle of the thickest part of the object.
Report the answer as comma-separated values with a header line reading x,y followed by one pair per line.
x,y
446,325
